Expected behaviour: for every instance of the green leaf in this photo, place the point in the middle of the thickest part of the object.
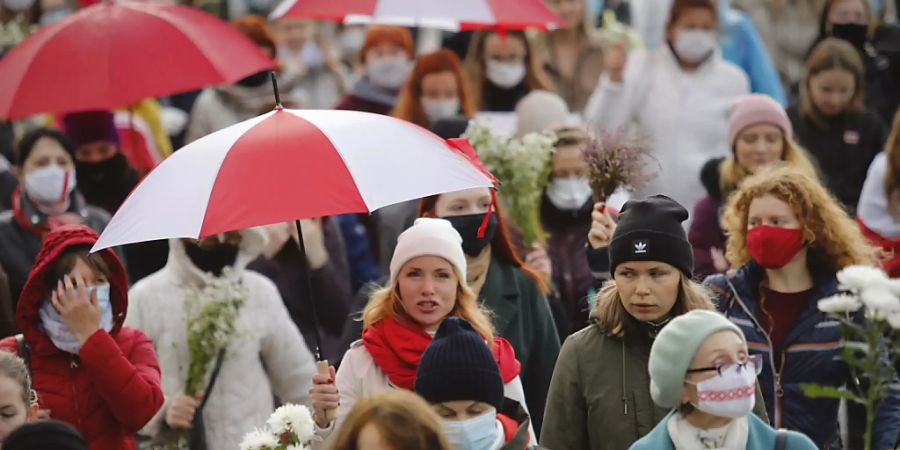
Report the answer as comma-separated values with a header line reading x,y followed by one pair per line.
x,y
812,390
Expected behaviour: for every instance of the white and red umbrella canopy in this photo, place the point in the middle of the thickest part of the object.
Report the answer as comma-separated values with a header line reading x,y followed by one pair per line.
x,y
113,54
443,14
287,165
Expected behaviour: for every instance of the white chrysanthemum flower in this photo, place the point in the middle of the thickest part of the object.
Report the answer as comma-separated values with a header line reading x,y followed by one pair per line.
x,y
880,302
840,304
859,278
294,418
259,440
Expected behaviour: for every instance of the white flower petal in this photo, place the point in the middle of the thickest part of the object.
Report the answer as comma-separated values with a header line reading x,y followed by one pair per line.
x,y
839,304
259,440
880,302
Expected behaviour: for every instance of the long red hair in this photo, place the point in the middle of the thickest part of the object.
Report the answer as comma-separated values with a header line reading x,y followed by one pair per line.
x,y
501,245
409,104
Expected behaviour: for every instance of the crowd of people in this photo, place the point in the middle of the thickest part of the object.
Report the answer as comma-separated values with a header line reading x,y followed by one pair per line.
x,y
774,132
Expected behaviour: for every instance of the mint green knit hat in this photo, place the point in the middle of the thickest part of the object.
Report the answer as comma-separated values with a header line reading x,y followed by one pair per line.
x,y
673,349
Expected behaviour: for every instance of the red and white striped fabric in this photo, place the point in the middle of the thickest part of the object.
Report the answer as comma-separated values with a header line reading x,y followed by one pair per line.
x,y
287,165
443,14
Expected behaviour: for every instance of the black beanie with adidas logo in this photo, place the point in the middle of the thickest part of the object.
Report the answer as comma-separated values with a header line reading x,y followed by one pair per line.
x,y
651,230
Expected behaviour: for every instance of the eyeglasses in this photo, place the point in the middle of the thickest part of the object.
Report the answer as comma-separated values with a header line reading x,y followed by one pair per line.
x,y
755,363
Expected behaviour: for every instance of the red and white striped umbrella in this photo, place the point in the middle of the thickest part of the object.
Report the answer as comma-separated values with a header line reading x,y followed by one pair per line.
x,y
287,165
443,14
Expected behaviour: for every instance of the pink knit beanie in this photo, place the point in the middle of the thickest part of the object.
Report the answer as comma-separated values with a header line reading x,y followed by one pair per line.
x,y
755,109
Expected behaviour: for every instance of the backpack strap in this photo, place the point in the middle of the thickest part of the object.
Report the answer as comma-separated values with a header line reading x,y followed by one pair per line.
x,y
23,351
781,436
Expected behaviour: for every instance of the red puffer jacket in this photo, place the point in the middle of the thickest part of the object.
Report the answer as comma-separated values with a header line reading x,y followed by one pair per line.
x,y
112,387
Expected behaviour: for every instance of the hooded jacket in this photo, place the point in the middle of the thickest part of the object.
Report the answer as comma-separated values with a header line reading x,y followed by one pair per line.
x,y
112,387
267,358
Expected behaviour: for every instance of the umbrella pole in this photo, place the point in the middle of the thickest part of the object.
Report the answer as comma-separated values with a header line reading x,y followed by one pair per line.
x,y
322,366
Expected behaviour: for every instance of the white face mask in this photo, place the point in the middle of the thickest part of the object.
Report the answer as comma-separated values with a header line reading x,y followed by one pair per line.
x,y
18,5
731,395
505,74
477,433
60,334
693,46
388,72
50,184
569,193
440,109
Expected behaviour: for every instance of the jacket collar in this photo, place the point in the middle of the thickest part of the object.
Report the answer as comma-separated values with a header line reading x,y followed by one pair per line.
x,y
746,283
185,273
500,293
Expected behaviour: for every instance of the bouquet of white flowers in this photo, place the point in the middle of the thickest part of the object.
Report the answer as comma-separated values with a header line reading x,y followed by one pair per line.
x,y
210,314
290,427
523,167
871,338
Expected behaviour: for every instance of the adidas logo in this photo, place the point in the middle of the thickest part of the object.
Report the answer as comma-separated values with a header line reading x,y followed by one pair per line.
x,y
640,247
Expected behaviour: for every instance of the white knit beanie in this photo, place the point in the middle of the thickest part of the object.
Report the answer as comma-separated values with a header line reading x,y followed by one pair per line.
x,y
540,111
432,237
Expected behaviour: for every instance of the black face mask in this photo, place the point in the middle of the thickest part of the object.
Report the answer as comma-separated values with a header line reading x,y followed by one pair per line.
x,y
467,227
257,79
212,259
106,183
854,33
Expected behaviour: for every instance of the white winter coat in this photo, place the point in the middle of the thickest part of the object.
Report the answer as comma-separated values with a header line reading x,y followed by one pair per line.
x,y
684,113
267,358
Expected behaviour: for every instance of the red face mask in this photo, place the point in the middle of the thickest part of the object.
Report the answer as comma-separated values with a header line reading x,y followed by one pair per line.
x,y
774,247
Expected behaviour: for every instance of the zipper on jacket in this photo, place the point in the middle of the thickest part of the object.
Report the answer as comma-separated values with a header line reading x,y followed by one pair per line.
x,y
776,374
779,392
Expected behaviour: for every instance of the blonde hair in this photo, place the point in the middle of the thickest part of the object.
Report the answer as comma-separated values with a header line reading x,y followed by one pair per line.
x,y
615,320
386,302
793,155
403,419
826,227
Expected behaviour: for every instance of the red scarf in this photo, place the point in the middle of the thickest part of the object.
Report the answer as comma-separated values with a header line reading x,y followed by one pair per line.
x,y
397,348
40,229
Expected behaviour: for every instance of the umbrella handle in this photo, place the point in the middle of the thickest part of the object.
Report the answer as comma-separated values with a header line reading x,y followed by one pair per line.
x,y
323,368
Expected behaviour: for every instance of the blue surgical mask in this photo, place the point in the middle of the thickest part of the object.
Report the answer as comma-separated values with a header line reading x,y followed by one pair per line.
x,y
477,433
57,330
